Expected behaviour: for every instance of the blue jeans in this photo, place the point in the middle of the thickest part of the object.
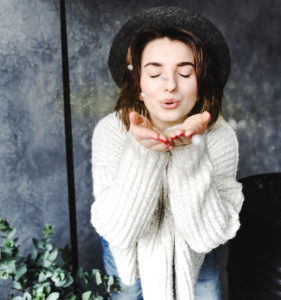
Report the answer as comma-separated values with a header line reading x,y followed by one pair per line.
x,y
207,287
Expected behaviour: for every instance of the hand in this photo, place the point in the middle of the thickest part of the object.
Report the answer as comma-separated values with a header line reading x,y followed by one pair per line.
x,y
143,132
195,124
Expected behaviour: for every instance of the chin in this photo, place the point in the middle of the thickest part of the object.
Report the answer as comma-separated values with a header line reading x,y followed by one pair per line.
x,y
176,119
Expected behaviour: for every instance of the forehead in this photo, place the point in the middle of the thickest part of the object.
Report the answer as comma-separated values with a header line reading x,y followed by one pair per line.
x,y
165,50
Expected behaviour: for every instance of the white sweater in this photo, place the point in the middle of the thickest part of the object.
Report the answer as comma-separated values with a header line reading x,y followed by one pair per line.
x,y
154,208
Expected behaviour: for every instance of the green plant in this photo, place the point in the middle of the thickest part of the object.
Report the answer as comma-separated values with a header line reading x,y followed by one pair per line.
x,y
38,275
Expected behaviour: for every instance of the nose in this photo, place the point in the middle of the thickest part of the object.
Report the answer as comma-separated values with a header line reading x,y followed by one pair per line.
x,y
170,83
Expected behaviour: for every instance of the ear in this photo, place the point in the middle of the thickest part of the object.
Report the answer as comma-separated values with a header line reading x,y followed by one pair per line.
x,y
141,96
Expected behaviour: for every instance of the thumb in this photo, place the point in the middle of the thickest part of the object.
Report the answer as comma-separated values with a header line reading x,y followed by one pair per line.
x,y
206,116
135,118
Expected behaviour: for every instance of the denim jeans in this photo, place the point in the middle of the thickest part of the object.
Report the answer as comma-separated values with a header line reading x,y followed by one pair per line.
x,y
207,287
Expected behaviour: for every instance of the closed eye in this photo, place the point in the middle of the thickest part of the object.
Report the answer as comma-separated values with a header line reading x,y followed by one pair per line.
x,y
154,76
185,76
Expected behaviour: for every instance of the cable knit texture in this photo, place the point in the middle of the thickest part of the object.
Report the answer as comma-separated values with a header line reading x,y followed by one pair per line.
x,y
156,208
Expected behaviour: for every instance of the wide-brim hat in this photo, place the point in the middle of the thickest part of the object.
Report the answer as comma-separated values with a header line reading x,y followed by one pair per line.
x,y
164,17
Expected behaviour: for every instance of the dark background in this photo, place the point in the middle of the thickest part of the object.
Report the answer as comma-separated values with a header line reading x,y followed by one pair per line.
x,y
33,173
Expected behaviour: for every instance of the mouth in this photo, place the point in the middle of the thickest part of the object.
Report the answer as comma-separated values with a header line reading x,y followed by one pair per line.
x,y
170,103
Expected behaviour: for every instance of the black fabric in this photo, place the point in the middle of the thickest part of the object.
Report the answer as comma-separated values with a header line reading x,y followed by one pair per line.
x,y
254,262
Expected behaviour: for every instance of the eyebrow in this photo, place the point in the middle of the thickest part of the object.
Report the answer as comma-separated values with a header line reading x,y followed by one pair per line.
x,y
181,64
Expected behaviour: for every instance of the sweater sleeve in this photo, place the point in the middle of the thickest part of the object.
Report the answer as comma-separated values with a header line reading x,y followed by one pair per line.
x,y
204,195
127,179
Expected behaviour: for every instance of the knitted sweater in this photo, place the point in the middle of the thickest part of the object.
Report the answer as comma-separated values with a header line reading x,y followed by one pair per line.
x,y
159,209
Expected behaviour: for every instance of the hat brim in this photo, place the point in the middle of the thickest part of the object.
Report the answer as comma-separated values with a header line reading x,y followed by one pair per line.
x,y
165,17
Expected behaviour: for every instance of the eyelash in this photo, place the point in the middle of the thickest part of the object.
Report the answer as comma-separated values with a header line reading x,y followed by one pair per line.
x,y
184,76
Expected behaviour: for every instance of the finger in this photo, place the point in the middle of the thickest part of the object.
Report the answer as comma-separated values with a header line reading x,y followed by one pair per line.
x,y
135,118
178,141
181,141
154,145
190,131
206,117
195,128
143,133
177,133
162,138
151,142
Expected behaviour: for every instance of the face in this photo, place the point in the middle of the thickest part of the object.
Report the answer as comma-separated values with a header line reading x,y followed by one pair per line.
x,y
168,80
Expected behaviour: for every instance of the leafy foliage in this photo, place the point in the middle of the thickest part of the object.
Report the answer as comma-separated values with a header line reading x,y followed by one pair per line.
x,y
38,275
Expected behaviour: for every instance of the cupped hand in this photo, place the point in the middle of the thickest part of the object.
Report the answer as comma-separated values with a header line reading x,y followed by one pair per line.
x,y
195,124
142,130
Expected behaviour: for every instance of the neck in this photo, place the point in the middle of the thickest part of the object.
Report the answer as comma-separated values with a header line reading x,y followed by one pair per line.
x,y
165,126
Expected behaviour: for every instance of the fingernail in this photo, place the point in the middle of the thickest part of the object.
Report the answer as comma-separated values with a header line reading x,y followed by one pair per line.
x,y
163,141
189,135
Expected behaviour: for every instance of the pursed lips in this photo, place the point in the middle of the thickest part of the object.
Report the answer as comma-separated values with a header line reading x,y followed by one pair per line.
x,y
170,103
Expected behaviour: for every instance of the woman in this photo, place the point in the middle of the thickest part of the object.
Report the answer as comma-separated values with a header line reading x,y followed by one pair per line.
x,y
162,198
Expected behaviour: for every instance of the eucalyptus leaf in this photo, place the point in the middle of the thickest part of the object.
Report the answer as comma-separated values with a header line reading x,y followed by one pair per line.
x,y
110,280
60,283
11,234
53,296
86,295
17,285
69,281
110,283
53,255
49,247
34,254
27,296
98,278
42,277
41,273
9,266
59,278
20,271
4,275
47,263
48,230
4,225
41,245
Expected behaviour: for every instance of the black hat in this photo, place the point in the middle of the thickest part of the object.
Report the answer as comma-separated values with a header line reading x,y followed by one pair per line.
x,y
164,17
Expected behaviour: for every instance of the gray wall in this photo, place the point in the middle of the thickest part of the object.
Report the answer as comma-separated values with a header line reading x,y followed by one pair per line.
x,y
33,178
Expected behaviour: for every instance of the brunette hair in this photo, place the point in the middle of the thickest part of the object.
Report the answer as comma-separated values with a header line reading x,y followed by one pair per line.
x,y
210,91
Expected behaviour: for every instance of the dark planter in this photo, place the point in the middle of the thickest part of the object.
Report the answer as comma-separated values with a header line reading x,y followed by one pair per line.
x,y
254,262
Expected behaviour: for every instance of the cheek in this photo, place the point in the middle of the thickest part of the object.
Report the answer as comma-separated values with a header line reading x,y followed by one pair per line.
x,y
191,88
148,86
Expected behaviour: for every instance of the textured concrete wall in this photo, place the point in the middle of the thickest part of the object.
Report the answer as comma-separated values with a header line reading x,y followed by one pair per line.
x,y
33,181
32,155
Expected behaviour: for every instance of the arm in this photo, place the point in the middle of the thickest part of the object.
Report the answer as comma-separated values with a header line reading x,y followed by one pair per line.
x,y
204,194
127,179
